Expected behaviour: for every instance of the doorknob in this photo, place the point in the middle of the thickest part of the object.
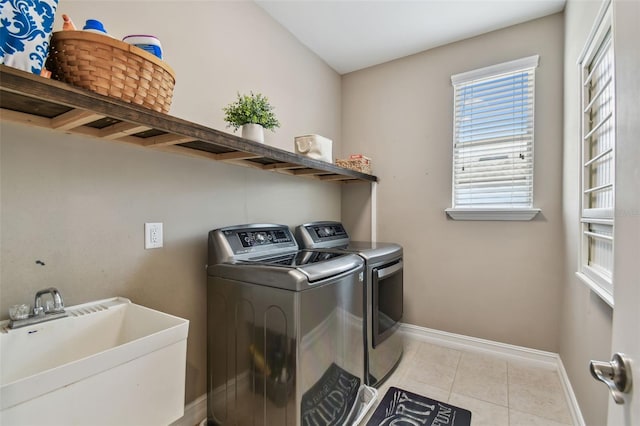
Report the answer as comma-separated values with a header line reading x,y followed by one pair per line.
x,y
615,374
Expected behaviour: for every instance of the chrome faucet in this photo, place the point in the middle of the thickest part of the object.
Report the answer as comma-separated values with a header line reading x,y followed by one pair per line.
x,y
50,311
58,304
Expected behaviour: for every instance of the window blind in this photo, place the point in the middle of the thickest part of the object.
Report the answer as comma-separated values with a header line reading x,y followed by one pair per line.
x,y
493,136
598,159
598,134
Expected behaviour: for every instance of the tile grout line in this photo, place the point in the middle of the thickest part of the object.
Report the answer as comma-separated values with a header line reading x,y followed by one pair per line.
x,y
454,376
508,399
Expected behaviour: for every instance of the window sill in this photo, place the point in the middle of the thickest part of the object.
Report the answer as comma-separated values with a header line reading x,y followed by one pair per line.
x,y
603,293
492,214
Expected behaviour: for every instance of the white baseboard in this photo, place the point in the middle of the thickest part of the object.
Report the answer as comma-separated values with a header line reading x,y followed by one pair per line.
x,y
576,414
194,412
474,344
550,360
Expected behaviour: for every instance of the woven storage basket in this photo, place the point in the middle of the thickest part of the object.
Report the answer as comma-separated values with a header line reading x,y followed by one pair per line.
x,y
112,68
362,165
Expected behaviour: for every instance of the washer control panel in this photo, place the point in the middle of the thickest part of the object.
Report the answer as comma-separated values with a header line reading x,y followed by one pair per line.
x,y
261,238
244,242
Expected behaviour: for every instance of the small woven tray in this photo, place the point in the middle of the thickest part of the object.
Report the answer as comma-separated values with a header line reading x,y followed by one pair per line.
x,y
112,68
359,165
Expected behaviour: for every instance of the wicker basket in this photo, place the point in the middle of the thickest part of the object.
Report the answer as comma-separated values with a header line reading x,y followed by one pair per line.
x,y
359,163
112,68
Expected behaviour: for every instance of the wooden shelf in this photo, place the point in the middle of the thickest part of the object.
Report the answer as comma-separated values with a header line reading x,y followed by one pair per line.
x,y
32,100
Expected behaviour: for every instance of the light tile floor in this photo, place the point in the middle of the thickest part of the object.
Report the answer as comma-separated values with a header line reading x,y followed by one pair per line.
x,y
497,391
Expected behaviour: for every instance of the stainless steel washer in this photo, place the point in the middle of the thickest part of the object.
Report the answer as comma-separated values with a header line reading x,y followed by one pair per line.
x,y
383,297
284,327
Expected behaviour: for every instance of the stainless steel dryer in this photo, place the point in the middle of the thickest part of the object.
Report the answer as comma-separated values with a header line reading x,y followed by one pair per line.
x,y
383,297
283,330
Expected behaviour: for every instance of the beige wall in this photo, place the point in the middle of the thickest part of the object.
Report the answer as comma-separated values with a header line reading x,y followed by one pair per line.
x,y
79,205
585,332
494,280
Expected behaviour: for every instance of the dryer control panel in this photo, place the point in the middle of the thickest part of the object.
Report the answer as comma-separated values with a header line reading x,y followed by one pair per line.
x,y
322,235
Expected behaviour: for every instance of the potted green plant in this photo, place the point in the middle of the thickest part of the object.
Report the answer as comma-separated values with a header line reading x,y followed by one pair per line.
x,y
252,113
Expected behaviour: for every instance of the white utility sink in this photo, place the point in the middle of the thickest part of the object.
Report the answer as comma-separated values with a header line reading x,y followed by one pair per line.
x,y
110,362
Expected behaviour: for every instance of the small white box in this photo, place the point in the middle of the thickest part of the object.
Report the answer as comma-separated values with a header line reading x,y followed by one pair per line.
x,y
314,146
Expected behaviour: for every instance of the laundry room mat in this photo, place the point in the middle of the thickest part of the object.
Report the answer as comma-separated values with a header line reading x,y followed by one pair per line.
x,y
399,407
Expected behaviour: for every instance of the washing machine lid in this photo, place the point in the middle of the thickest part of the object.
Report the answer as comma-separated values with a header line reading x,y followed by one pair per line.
x,y
300,258
300,271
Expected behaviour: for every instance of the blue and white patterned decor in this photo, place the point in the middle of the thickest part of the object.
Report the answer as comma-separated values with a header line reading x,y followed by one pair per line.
x,y
25,30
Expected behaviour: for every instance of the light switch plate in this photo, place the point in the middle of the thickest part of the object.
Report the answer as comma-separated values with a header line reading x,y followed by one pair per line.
x,y
152,235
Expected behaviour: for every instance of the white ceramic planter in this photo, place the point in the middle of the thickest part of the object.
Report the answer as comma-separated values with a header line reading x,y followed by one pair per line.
x,y
254,132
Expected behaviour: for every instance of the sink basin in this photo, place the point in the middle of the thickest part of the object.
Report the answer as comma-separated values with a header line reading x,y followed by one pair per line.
x,y
109,362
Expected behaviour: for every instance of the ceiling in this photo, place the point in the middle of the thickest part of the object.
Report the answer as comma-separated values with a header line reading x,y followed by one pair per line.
x,y
353,34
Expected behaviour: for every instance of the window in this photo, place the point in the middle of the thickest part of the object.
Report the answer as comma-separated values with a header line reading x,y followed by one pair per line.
x,y
598,160
493,142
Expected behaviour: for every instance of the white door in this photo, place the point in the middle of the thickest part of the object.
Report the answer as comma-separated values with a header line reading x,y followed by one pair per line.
x,y
626,269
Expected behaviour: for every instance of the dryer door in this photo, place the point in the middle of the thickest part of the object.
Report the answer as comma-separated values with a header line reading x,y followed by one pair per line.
x,y
387,309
